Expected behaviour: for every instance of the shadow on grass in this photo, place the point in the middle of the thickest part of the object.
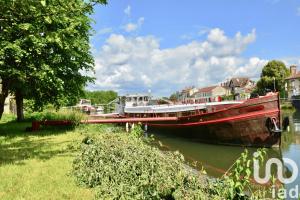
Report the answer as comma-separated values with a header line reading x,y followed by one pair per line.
x,y
15,129
16,145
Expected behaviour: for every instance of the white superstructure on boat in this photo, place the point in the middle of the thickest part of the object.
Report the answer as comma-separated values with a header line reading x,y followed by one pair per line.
x,y
138,104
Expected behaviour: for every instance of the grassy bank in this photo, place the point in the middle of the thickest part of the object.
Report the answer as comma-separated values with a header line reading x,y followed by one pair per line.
x,y
37,165
102,161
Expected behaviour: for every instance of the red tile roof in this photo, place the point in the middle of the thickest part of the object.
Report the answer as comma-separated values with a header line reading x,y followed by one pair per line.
x,y
207,89
240,81
294,76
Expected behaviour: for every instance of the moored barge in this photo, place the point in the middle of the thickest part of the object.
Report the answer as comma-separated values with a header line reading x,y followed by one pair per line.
x,y
252,122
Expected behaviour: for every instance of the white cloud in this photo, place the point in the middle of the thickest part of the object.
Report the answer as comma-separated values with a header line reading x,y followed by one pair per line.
x,y
130,27
127,10
134,26
217,36
136,64
203,30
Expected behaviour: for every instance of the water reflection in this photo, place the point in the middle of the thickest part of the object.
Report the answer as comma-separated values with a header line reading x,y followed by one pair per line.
x,y
217,159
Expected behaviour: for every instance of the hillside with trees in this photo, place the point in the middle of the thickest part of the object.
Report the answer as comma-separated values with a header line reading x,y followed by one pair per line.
x,y
100,97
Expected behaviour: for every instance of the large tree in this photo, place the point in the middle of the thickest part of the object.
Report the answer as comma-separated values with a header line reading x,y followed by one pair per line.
x,y
44,50
272,77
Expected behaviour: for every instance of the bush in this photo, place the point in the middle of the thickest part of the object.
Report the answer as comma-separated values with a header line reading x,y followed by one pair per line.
x,y
69,115
228,97
123,166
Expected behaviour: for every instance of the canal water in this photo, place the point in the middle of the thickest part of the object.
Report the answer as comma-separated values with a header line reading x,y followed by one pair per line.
x,y
217,159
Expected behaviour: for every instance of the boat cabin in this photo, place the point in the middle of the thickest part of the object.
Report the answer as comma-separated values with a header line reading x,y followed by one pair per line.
x,y
85,105
85,102
137,100
142,106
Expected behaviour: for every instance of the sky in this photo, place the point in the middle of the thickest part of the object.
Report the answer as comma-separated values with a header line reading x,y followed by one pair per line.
x,y
165,46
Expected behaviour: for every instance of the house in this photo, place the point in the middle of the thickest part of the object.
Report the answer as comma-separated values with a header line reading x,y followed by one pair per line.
x,y
240,87
186,94
209,94
293,81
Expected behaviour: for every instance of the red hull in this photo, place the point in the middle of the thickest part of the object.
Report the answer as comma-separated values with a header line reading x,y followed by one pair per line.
x,y
246,124
255,122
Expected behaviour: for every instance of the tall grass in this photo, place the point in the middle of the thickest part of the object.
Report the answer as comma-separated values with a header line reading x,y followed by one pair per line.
x,y
69,115
37,165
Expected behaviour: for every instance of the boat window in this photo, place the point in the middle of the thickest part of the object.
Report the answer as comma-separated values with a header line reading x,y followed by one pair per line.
x,y
145,98
128,99
135,98
140,98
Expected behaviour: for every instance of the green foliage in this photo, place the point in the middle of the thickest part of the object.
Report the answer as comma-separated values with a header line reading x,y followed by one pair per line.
x,y
287,106
45,48
38,163
8,118
236,184
116,164
173,97
273,69
101,97
121,166
228,97
137,131
74,116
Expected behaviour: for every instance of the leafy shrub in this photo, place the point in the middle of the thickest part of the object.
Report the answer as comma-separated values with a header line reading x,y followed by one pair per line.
x,y
228,97
122,166
137,130
69,115
236,184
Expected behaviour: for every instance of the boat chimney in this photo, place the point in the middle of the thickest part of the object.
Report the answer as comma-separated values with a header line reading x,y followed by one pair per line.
x,y
293,69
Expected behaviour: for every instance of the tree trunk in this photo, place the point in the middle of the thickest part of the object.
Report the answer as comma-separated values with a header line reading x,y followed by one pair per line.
x,y
3,95
19,102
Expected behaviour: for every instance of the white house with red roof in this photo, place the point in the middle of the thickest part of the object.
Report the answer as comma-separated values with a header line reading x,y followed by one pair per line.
x,y
209,94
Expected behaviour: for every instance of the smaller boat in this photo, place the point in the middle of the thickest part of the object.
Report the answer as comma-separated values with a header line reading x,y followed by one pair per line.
x,y
85,105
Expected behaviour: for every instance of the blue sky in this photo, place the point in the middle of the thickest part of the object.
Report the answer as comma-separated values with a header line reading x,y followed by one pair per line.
x,y
165,46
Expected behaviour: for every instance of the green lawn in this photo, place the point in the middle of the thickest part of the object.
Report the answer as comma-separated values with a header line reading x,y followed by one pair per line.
x,y
37,165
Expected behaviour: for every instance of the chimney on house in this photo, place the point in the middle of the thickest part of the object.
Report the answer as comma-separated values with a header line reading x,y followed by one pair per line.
x,y
293,69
